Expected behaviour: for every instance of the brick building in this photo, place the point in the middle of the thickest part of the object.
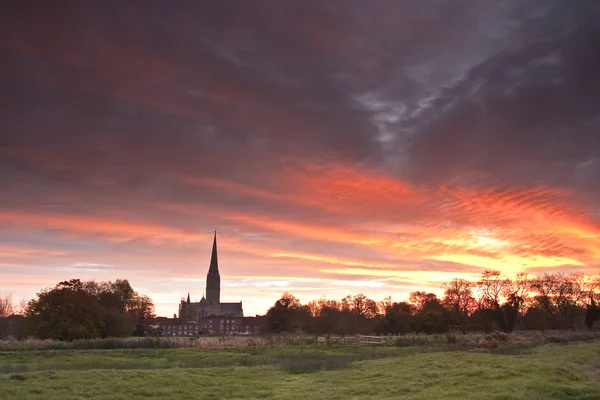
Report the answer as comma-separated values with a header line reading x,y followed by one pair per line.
x,y
215,325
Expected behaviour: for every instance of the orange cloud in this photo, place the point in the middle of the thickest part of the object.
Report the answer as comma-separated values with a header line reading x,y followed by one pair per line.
x,y
332,260
504,228
376,216
405,276
26,252
117,230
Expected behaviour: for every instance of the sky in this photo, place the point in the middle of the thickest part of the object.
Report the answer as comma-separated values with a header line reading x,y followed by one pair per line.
x,y
337,147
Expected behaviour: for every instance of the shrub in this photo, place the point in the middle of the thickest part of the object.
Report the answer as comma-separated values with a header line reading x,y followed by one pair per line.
x,y
17,377
412,340
556,339
451,339
500,336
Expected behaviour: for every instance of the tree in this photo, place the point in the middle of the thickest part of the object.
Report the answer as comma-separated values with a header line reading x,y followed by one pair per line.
x,y
458,297
141,310
492,288
6,306
420,299
328,317
430,315
75,309
383,305
516,293
287,315
398,318
358,314
362,306
127,312
21,308
66,312
6,311
592,314
560,295
591,300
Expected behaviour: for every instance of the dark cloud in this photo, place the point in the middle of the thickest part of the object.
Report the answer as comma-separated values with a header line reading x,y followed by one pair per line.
x,y
524,115
439,88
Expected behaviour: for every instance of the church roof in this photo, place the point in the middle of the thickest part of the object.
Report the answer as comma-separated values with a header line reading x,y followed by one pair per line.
x,y
214,263
231,307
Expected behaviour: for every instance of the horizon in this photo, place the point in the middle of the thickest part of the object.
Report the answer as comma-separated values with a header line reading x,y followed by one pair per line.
x,y
375,148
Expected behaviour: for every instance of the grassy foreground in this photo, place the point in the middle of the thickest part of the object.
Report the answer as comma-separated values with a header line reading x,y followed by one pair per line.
x,y
553,371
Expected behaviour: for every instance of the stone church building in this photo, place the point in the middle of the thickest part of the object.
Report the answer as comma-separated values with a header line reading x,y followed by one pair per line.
x,y
210,306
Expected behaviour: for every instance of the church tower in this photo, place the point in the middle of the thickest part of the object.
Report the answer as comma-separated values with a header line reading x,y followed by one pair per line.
x,y
213,279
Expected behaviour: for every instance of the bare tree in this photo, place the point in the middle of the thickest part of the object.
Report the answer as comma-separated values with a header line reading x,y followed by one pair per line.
x,y
362,306
559,294
21,308
492,285
592,301
585,289
459,299
6,306
516,294
420,299
384,305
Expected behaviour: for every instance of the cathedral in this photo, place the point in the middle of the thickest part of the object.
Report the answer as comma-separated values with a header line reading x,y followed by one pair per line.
x,y
211,304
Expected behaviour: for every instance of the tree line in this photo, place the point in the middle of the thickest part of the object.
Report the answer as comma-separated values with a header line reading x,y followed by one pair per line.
x,y
83,310
494,302
76,309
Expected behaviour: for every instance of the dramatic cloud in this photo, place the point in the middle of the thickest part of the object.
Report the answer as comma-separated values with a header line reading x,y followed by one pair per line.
x,y
337,146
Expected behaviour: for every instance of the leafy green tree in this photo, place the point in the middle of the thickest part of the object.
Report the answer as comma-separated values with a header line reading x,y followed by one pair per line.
x,y
66,312
141,311
75,310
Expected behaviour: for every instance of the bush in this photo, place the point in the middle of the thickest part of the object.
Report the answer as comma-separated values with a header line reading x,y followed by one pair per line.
x,y
413,340
566,337
500,336
475,340
488,343
17,377
451,339
555,339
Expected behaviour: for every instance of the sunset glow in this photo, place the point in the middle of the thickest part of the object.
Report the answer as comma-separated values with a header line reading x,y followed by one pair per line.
x,y
330,161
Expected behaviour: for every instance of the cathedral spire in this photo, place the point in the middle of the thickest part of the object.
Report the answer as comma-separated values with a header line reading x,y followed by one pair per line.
x,y
213,278
188,299
214,264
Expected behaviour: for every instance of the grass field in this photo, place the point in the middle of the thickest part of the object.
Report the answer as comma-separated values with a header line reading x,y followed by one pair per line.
x,y
553,371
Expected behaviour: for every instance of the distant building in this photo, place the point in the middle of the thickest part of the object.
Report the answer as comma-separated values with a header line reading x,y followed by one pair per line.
x,y
211,305
215,325
209,316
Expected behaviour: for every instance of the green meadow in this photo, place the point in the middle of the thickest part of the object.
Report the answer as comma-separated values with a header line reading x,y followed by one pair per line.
x,y
551,371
